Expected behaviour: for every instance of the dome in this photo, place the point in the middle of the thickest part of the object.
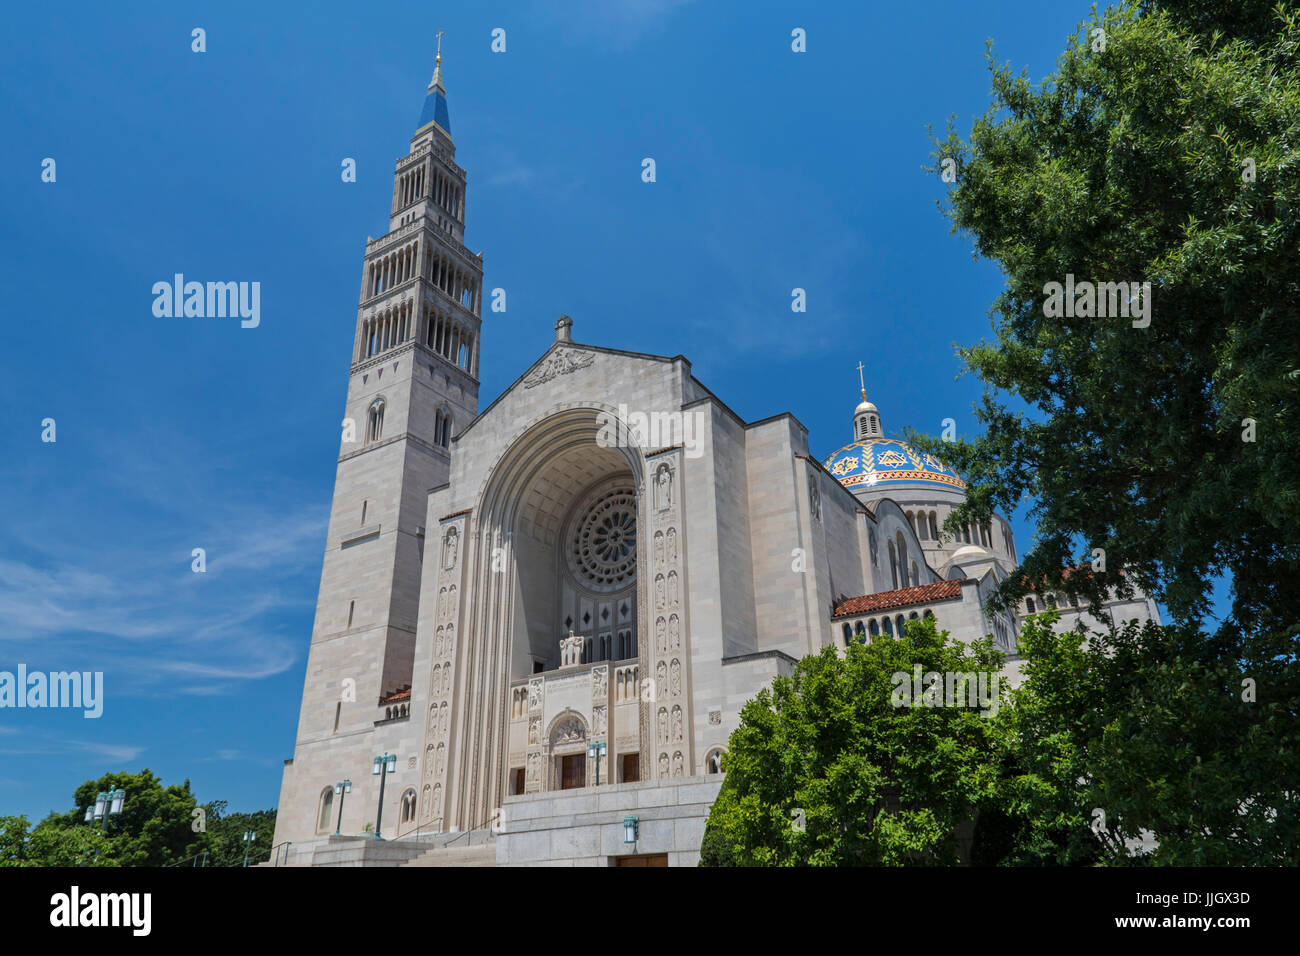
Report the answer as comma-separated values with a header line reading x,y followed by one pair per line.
x,y
888,462
968,553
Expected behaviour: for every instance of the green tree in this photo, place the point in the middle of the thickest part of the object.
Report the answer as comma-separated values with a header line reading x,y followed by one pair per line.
x,y
52,845
1167,154
155,826
1150,728
873,783
226,832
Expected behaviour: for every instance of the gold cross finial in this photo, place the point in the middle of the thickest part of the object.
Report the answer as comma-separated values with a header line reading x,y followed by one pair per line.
x,y
437,65
862,382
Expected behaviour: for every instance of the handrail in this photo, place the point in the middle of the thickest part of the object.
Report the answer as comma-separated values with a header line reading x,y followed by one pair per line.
x,y
276,851
195,857
418,827
471,830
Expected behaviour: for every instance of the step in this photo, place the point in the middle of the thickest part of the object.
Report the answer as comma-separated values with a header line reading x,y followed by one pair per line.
x,y
483,855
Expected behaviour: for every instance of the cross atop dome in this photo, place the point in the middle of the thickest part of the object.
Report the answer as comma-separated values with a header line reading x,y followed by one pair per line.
x,y
866,417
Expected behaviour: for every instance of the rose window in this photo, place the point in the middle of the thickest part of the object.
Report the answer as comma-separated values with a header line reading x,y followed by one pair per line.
x,y
602,552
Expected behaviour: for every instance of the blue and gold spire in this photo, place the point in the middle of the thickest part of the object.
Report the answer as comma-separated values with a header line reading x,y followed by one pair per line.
x,y
435,101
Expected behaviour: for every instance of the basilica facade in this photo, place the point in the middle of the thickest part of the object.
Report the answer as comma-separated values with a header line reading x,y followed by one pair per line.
x,y
539,620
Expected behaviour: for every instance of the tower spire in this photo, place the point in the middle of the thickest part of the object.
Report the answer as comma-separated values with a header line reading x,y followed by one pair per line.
x,y
435,100
862,382
437,67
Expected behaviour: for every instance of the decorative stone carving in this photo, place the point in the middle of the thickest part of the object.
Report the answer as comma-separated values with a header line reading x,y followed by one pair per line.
x,y
450,547
598,721
672,589
674,632
677,764
661,676
672,545
659,592
659,547
561,361
570,650
663,725
663,485
569,730
663,765
661,636
715,717
599,685
535,694
675,679
677,724
535,731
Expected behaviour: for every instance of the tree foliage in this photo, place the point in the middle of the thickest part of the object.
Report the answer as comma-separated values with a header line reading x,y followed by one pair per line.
x,y
876,784
158,826
1139,731
1170,156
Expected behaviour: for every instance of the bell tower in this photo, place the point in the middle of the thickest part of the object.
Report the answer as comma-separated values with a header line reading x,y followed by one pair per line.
x,y
413,384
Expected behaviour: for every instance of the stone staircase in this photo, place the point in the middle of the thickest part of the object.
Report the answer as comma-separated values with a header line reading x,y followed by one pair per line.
x,y
477,848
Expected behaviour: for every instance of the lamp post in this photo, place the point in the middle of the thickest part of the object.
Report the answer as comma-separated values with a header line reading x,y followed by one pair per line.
x,y
342,788
631,830
383,767
249,837
597,751
106,805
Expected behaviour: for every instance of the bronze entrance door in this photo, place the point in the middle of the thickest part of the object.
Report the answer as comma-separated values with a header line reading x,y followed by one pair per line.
x,y
573,771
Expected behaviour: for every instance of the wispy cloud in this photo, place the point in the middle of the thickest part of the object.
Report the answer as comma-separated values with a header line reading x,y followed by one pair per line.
x,y
106,590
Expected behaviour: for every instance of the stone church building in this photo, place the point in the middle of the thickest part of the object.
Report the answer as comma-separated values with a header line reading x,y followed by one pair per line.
x,y
542,617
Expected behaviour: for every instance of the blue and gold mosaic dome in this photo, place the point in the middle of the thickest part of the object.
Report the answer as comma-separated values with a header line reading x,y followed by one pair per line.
x,y
877,462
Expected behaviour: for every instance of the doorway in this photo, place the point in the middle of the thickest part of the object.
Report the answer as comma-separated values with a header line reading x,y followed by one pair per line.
x,y
573,771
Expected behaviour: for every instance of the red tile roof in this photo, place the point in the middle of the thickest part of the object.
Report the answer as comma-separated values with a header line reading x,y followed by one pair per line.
x,y
920,594
400,695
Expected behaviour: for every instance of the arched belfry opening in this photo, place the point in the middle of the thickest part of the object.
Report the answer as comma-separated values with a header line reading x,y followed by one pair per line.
x,y
556,602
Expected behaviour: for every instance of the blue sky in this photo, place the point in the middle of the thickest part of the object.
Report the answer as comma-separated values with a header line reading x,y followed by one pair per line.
x,y
775,170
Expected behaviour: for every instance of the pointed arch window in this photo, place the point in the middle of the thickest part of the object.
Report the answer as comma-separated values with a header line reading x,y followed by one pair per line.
x,y
934,527
326,805
442,429
375,421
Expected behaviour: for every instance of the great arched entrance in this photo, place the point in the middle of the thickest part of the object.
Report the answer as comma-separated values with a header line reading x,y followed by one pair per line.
x,y
555,633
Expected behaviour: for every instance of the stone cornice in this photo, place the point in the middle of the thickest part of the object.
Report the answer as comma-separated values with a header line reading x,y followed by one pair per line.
x,y
401,234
